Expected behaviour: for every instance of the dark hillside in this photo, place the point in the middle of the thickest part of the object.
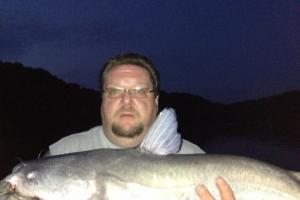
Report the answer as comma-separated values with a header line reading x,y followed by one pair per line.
x,y
37,109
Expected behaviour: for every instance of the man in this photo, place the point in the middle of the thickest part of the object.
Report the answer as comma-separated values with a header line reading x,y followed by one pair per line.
x,y
130,94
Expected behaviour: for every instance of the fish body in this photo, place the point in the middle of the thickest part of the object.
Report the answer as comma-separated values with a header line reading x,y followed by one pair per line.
x,y
108,174
151,171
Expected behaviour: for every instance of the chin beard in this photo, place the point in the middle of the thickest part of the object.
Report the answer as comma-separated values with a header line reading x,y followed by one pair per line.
x,y
131,133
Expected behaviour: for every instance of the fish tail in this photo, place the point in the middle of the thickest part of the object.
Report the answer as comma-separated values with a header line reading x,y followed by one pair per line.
x,y
162,137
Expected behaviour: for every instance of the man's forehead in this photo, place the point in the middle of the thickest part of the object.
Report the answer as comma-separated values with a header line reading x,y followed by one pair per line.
x,y
128,68
128,71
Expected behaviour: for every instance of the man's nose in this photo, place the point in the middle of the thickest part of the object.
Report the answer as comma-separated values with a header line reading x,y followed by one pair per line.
x,y
126,97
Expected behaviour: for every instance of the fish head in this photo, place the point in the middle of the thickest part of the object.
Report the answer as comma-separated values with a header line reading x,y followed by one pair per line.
x,y
24,180
29,179
42,180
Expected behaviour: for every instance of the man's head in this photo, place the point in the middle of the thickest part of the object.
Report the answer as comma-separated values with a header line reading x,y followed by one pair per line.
x,y
130,89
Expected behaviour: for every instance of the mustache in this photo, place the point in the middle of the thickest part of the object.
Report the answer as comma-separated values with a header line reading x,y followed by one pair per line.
x,y
127,110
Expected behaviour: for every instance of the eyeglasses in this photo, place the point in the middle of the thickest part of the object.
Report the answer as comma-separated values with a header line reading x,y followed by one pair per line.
x,y
135,93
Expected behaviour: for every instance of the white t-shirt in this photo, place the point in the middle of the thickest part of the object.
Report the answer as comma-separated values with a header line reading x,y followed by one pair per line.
x,y
96,139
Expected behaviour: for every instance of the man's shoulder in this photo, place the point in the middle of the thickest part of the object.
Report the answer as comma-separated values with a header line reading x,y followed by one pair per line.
x,y
85,134
188,147
76,142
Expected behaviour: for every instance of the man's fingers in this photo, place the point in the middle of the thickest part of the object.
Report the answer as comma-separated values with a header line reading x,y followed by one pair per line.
x,y
225,190
203,193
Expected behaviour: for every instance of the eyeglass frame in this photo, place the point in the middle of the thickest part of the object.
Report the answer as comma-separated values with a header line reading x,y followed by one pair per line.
x,y
133,92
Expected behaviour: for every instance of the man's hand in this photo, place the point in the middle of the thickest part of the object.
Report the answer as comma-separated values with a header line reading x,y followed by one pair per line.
x,y
223,187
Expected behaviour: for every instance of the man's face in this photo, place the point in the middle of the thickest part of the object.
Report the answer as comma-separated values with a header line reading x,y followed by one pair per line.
x,y
127,116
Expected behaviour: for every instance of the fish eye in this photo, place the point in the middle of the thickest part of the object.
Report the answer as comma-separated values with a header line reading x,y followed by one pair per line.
x,y
30,175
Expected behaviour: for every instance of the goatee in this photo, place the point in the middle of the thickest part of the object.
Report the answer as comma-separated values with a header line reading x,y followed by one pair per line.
x,y
130,133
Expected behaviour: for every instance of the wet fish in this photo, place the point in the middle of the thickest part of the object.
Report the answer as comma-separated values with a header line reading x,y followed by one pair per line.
x,y
129,174
143,173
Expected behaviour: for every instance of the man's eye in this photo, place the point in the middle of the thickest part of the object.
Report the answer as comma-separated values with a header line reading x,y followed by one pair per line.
x,y
115,91
141,91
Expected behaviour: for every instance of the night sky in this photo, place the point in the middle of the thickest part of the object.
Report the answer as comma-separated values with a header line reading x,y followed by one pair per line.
x,y
222,50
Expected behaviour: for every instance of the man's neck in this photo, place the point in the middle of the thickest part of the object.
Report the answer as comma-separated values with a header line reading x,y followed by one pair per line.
x,y
124,142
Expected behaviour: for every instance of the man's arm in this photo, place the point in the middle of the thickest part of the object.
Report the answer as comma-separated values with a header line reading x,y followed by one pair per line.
x,y
223,187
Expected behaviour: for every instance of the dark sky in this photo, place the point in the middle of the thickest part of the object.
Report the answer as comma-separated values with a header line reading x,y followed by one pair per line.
x,y
222,50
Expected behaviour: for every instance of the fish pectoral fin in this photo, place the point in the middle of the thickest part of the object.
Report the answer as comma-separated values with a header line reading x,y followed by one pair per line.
x,y
110,186
105,179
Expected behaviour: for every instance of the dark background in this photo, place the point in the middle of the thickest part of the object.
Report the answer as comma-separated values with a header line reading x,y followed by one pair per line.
x,y
224,50
37,109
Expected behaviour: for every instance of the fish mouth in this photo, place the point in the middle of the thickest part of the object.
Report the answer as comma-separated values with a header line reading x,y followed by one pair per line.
x,y
6,187
9,191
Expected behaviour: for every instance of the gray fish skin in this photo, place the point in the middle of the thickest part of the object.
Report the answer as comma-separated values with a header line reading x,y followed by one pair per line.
x,y
108,174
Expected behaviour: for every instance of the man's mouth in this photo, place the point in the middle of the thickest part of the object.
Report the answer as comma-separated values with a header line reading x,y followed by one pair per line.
x,y
127,115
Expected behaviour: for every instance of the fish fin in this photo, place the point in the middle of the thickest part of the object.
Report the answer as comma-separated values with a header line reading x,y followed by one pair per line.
x,y
162,138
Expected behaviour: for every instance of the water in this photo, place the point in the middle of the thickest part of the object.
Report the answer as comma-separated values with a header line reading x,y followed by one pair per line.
x,y
277,153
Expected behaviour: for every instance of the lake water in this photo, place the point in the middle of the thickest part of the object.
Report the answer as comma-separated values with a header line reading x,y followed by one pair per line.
x,y
273,152
282,155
